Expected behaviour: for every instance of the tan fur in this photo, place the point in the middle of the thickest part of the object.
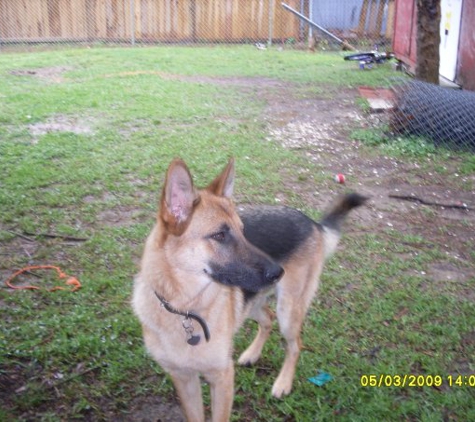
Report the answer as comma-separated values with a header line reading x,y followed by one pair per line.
x,y
174,264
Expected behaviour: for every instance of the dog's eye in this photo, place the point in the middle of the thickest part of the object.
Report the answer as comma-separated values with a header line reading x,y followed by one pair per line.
x,y
219,236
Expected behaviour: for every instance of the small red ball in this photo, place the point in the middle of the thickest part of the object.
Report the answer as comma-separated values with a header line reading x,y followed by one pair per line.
x,y
340,178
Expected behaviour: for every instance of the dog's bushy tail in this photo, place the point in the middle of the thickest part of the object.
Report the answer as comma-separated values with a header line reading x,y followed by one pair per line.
x,y
334,218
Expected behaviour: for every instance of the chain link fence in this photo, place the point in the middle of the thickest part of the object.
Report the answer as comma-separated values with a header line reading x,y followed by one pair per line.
x,y
438,115
360,23
444,116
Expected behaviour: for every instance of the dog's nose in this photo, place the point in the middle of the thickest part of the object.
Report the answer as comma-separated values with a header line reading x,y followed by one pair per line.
x,y
273,273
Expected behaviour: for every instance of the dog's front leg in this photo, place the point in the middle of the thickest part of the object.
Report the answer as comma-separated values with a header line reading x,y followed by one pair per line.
x,y
261,313
222,393
188,385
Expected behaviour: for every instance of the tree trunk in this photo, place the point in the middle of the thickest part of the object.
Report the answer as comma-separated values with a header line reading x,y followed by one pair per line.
x,y
428,40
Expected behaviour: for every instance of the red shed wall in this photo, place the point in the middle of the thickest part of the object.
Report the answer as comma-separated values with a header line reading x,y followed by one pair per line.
x,y
405,32
466,60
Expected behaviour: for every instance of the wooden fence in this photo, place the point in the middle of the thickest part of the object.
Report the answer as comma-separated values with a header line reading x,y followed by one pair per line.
x,y
24,21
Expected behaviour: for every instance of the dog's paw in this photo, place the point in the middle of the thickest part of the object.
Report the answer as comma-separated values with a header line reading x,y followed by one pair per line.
x,y
248,358
281,388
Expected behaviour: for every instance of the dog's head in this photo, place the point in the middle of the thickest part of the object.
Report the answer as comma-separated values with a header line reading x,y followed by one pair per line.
x,y
203,235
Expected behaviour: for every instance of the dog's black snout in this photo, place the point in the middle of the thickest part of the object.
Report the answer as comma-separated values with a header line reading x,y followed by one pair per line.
x,y
273,273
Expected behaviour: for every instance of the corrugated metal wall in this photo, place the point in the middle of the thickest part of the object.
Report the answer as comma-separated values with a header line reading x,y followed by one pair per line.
x,y
371,17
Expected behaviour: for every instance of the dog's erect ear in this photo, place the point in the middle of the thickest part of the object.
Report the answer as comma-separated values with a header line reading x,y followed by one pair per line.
x,y
223,185
178,198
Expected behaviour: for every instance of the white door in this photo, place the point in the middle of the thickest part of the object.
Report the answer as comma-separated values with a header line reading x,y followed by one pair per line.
x,y
451,11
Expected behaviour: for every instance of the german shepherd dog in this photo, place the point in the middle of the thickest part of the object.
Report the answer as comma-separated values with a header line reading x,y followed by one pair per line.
x,y
207,266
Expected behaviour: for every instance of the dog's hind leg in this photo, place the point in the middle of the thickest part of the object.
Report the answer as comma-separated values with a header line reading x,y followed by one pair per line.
x,y
294,296
264,316
222,393
188,386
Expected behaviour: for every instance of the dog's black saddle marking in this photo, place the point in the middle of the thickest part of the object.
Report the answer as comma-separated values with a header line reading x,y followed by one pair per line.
x,y
276,230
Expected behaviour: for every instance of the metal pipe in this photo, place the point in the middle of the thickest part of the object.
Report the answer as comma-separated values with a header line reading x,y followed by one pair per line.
x,y
310,18
345,44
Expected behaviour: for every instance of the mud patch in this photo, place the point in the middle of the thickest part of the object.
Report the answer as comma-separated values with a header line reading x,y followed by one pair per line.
x,y
121,216
46,74
242,82
68,124
154,409
447,272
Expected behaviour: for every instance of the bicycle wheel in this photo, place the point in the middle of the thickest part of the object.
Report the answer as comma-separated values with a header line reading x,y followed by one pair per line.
x,y
360,57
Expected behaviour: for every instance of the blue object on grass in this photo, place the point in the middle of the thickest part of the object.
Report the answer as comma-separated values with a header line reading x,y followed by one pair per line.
x,y
321,378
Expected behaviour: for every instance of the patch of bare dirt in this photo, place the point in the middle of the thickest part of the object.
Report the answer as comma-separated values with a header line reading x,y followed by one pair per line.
x,y
121,216
60,123
243,82
154,409
47,74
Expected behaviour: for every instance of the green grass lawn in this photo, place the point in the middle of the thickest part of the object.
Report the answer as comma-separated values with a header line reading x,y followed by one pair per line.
x,y
125,113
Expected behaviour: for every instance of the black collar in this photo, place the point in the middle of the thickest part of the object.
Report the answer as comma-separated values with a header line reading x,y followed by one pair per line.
x,y
193,339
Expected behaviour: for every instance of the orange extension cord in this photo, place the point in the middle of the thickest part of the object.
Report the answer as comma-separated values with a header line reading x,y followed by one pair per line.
x,y
71,281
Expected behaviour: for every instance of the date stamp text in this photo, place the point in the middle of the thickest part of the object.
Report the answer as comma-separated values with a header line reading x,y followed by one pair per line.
x,y
412,380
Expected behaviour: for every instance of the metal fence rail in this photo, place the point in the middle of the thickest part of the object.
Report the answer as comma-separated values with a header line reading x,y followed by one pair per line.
x,y
27,22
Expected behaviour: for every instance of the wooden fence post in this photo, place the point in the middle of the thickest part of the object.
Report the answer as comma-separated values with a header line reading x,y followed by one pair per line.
x,y
132,22
362,21
271,22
